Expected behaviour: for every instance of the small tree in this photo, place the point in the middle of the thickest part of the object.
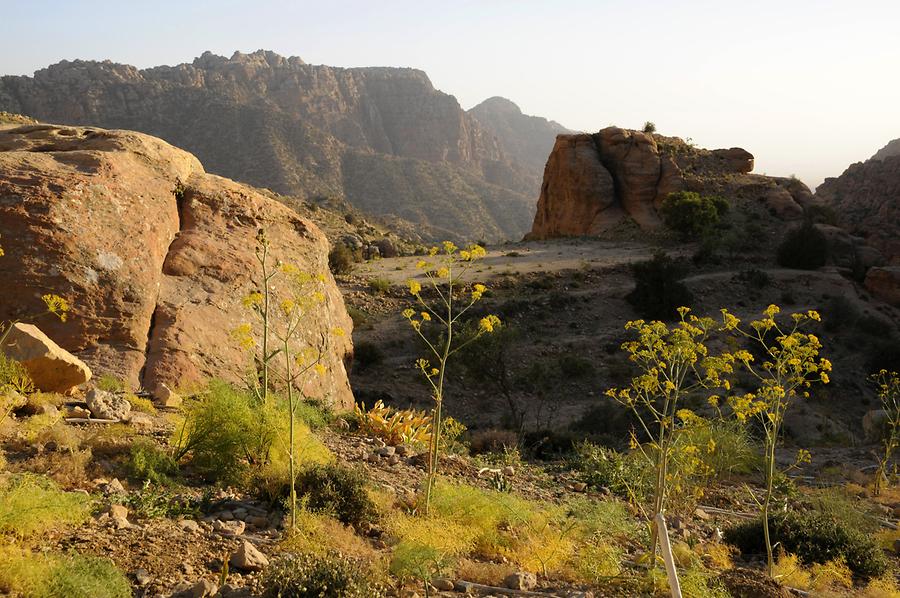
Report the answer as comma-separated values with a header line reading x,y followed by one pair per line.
x,y
649,127
692,215
658,290
803,248
674,363
791,364
888,388
448,300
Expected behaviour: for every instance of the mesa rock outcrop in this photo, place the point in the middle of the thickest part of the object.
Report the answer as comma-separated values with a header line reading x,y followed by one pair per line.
x,y
153,254
384,139
866,200
594,182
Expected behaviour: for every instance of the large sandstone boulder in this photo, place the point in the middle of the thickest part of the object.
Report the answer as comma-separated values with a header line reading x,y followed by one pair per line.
x,y
52,368
884,283
594,182
153,254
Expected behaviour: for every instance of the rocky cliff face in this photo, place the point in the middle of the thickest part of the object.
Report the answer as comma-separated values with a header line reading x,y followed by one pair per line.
x,y
891,149
154,255
301,129
593,183
866,200
526,139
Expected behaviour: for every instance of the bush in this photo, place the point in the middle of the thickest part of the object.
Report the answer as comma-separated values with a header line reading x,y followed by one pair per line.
x,y
224,431
337,491
366,354
814,538
658,291
49,576
691,214
492,441
624,475
317,576
803,248
649,127
340,260
31,504
379,286
148,462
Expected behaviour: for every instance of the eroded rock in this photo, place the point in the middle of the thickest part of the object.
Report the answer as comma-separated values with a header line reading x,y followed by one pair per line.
x,y
52,368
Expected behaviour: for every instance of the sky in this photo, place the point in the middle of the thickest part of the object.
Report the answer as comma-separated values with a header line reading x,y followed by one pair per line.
x,y
807,86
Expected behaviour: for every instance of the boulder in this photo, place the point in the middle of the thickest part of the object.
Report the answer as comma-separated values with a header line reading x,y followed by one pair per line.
x,y
153,254
248,558
735,159
884,283
780,201
52,368
522,581
107,405
632,157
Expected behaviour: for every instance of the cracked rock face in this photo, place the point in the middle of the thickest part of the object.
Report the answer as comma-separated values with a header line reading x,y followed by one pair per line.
x,y
155,287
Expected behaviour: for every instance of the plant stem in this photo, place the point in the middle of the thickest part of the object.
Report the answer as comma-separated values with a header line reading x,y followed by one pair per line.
x,y
292,473
770,474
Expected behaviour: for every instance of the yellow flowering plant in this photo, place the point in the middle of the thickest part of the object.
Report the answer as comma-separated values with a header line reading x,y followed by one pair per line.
x,y
673,363
448,299
394,426
282,316
790,365
887,386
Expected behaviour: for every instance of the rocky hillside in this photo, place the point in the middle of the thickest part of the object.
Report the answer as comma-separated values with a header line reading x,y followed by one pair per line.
x,y
866,200
383,138
891,149
154,255
596,183
526,139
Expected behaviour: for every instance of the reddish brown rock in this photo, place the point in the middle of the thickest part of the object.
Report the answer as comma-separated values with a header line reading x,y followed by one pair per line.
x,y
884,283
155,286
736,159
632,157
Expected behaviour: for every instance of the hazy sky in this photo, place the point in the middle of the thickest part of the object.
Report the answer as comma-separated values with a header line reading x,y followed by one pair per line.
x,y
808,86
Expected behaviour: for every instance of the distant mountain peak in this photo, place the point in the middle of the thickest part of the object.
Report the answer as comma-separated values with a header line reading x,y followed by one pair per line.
x,y
499,103
891,149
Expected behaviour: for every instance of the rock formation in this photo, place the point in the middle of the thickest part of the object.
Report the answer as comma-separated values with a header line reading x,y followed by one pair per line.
x,y
153,254
866,201
891,149
383,138
50,367
526,139
592,183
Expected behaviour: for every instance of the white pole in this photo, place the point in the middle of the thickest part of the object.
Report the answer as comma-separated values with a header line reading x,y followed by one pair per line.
x,y
666,548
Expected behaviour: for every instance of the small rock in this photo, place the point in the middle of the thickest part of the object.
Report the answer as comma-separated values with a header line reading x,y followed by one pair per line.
x,y
372,457
142,577
79,412
521,580
225,515
401,450
204,589
248,558
164,396
113,487
385,451
189,525
701,514
48,409
106,405
343,425
393,459
240,514
508,471
119,515
443,584
258,521
229,528
141,421
579,486
232,591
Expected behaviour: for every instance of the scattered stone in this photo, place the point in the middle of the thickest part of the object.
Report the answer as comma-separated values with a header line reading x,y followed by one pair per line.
x,y
701,514
141,421
258,521
189,525
79,412
385,451
393,459
51,368
240,514
343,425
248,558
165,397
113,487
401,450
232,591
225,516
579,487
443,584
521,580
142,577
106,405
508,471
119,515
229,528
204,589
372,457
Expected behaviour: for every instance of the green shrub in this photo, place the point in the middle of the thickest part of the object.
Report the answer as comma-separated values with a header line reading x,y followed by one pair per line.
x,y
149,462
31,504
337,491
649,127
691,214
379,286
572,365
839,312
658,291
814,537
318,576
155,502
110,383
340,260
803,248
366,354
727,447
81,576
623,474
224,431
